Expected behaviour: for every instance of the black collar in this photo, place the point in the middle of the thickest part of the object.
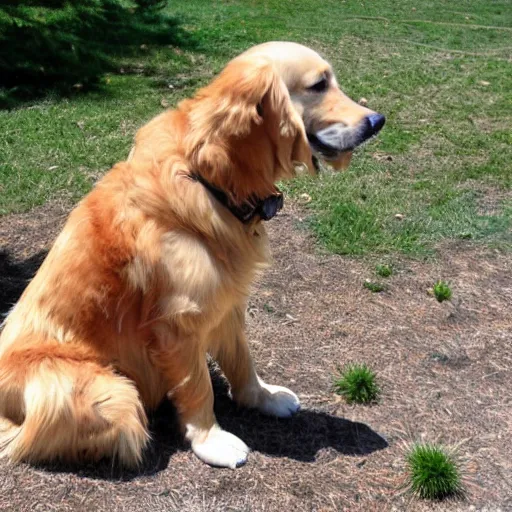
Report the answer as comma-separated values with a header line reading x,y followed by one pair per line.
x,y
264,208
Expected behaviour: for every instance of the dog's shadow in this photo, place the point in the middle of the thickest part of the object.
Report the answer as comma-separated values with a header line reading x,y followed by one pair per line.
x,y
299,438
14,277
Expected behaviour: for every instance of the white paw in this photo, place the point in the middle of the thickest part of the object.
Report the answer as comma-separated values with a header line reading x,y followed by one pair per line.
x,y
277,401
220,448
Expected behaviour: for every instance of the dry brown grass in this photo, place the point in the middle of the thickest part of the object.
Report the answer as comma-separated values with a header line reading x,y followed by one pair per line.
x,y
444,370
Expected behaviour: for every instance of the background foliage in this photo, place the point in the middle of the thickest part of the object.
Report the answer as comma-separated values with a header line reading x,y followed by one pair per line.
x,y
68,45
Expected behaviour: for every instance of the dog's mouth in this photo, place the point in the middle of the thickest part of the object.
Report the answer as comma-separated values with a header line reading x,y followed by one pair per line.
x,y
331,143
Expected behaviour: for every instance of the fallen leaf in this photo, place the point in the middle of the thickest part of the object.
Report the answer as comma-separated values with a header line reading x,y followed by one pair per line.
x,y
380,157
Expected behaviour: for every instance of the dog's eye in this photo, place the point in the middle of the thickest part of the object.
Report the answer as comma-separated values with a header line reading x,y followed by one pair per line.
x,y
320,86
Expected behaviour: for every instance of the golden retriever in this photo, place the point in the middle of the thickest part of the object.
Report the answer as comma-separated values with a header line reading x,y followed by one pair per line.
x,y
153,268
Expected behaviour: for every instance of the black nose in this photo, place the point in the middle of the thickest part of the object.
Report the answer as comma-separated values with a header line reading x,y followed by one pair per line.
x,y
370,126
376,122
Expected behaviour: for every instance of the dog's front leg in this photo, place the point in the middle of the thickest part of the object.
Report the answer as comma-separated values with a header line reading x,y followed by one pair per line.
x,y
191,392
230,349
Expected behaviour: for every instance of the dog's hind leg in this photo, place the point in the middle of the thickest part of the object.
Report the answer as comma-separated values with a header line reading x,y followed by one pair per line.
x,y
231,350
59,408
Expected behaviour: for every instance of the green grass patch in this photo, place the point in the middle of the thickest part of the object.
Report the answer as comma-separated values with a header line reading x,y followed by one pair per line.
x,y
373,286
357,384
368,210
384,270
433,474
443,85
442,291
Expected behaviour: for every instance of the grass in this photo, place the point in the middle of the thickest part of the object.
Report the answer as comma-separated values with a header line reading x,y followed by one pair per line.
x,y
442,291
441,162
357,384
384,270
374,287
433,474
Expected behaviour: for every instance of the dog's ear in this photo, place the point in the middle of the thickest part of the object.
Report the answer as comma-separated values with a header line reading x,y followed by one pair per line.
x,y
285,127
247,106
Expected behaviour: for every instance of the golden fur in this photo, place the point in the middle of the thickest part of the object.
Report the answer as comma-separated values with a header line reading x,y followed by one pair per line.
x,y
150,274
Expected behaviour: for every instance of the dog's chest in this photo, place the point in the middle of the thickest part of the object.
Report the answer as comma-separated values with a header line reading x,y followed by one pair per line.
x,y
206,279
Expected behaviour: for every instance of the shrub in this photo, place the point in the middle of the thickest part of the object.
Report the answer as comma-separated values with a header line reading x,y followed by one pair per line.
x,y
58,44
384,270
432,472
357,384
374,287
442,291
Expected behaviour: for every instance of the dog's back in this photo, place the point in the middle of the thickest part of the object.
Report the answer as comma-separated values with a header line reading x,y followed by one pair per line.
x,y
58,398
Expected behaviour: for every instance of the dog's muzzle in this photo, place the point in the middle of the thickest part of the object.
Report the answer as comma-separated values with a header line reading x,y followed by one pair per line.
x,y
330,142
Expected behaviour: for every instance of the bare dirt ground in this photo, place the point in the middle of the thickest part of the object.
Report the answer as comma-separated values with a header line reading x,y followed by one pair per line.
x,y
445,371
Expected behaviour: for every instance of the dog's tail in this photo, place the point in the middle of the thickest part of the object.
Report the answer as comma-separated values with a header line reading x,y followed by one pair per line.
x,y
8,433
60,408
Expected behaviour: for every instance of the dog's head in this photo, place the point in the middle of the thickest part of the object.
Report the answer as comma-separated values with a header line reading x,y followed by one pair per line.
x,y
335,125
276,105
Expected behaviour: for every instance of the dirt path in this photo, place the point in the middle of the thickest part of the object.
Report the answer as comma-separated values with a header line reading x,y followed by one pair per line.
x,y
445,370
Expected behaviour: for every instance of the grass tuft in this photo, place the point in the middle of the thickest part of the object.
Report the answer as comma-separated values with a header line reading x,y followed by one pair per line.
x,y
374,287
442,291
357,383
384,270
433,473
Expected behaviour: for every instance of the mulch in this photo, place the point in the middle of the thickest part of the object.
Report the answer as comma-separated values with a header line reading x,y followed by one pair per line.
x,y
444,370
